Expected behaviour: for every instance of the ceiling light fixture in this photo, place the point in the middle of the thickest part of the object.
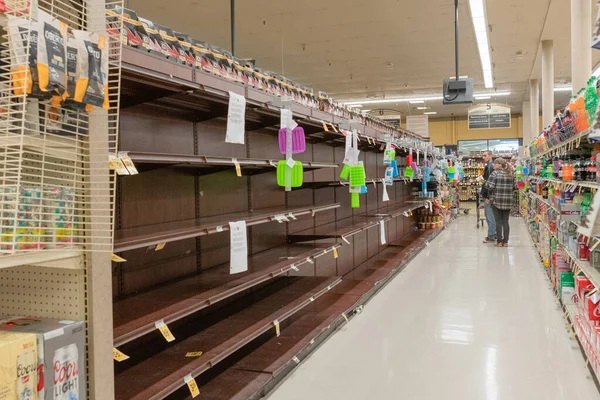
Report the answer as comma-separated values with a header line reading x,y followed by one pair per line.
x,y
430,113
483,98
563,89
356,106
481,32
416,99
423,108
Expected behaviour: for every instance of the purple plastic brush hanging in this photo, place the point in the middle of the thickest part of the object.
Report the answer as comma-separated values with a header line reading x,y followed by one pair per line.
x,y
298,140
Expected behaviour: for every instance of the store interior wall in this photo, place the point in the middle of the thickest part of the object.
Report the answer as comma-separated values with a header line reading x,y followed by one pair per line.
x,y
450,130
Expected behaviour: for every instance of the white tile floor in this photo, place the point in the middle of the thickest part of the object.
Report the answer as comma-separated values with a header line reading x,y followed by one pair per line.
x,y
464,321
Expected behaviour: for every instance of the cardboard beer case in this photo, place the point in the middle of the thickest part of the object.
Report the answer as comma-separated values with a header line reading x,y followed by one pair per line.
x,y
60,355
18,366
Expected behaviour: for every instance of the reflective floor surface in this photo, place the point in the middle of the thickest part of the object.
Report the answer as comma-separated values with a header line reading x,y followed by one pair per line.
x,y
464,321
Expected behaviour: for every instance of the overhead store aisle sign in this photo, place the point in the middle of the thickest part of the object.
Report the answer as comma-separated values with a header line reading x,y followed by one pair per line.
x,y
489,116
418,124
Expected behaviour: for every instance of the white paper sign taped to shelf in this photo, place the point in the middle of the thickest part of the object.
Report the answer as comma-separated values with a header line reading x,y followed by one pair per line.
x,y
382,231
238,254
236,119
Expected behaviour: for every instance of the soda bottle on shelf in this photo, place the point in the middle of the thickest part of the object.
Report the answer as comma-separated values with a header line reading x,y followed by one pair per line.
x,y
556,166
577,169
568,170
561,168
593,169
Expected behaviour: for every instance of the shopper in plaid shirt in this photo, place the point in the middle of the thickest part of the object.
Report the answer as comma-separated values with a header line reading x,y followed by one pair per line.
x,y
501,185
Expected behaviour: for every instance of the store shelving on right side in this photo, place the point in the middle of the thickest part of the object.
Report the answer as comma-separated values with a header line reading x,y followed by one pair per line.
x,y
560,176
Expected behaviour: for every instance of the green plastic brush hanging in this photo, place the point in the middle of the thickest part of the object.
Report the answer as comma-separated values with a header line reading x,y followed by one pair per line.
x,y
345,174
297,173
355,200
357,175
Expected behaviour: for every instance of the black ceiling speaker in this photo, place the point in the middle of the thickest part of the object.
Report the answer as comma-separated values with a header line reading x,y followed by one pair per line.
x,y
457,90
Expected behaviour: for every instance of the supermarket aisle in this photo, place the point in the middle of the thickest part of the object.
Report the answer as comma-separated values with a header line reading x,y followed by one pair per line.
x,y
463,321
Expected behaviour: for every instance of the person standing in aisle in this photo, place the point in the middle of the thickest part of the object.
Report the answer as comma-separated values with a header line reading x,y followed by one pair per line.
x,y
489,213
500,186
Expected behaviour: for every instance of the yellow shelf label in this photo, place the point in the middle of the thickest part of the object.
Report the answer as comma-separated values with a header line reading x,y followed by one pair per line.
x,y
118,259
192,385
164,329
194,354
325,126
119,356
277,328
160,246
335,252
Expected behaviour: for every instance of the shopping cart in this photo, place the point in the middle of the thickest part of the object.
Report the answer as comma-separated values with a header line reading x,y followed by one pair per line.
x,y
478,202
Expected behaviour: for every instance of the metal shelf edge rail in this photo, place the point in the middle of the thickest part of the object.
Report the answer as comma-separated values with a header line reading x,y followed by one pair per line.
x,y
217,89
201,365
142,241
255,279
357,228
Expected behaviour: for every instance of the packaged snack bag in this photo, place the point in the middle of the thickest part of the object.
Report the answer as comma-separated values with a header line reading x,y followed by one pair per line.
x,y
52,54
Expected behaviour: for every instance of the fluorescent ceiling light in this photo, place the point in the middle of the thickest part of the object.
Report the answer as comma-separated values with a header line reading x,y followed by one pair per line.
x,y
423,108
430,113
481,32
483,98
460,77
355,106
491,94
563,89
396,100
416,100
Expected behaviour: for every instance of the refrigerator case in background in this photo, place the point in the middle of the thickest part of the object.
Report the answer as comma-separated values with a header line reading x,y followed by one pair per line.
x,y
18,366
60,352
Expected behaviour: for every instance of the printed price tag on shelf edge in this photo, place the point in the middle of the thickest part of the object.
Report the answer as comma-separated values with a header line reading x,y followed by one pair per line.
x,y
238,250
164,329
238,169
277,328
194,354
118,259
119,356
192,385
382,231
128,163
335,252
116,164
236,119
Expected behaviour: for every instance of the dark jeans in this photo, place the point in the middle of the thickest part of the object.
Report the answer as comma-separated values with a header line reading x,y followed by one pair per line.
x,y
502,226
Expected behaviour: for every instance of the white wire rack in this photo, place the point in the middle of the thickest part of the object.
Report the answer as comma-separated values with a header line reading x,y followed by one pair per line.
x,y
56,189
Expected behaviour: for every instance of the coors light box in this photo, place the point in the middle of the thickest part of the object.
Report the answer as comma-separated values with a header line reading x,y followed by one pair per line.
x,y
61,351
